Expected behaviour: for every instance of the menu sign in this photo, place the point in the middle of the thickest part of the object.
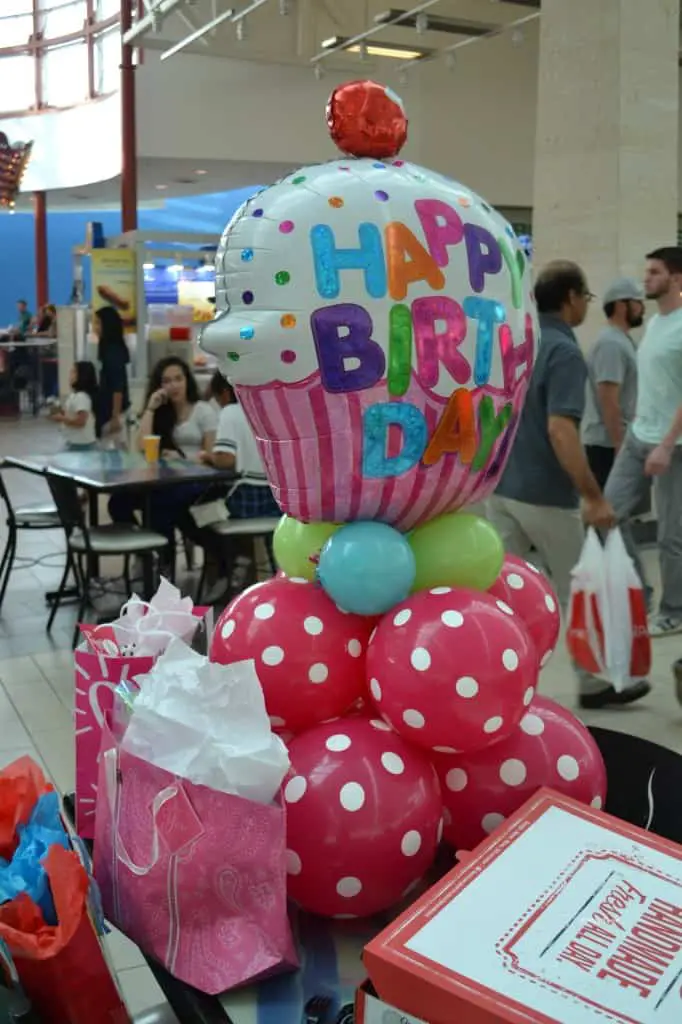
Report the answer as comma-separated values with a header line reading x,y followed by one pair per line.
x,y
565,915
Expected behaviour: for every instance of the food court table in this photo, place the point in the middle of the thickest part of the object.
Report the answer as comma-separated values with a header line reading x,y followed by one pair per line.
x,y
33,346
105,472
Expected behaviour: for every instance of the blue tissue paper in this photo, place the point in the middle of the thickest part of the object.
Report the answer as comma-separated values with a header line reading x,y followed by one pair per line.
x,y
25,871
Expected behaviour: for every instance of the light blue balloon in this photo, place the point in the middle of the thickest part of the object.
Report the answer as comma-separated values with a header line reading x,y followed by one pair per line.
x,y
367,568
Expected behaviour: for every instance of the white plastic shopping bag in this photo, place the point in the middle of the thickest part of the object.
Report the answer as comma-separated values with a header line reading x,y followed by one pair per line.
x,y
607,631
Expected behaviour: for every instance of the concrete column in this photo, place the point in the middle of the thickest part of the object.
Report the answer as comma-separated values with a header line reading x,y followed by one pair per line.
x,y
606,158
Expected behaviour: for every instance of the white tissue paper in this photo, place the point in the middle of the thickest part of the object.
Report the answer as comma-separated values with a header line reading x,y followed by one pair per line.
x,y
145,628
207,723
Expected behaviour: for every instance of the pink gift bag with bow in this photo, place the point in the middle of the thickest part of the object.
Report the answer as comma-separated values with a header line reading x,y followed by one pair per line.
x,y
195,877
118,653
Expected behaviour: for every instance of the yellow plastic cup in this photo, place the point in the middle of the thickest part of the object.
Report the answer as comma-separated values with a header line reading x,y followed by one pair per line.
x,y
152,446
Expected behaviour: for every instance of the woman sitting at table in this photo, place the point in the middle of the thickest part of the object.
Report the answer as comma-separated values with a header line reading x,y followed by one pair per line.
x,y
186,427
46,322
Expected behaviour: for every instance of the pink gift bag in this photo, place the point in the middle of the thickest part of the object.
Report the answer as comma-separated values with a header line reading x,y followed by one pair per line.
x,y
97,675
194,877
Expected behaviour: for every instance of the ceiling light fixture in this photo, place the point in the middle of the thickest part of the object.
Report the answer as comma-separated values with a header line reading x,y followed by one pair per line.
x,y
319,72
421,23
242,30
346,43
161,187
200,171
396,51
517,37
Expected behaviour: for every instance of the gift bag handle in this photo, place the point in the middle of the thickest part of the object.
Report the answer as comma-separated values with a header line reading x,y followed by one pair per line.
x,y
175,790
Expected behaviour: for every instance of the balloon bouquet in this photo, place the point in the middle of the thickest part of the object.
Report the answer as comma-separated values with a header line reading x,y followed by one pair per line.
x,y
377,322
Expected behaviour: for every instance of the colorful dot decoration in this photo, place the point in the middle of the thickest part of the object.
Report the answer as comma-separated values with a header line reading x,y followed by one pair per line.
x,y
398,163
288,356
298,180
257,213
464,201
247,298
282,277
286,227
510,232
288,320
234,356
247,255
246,333
344,168
379,166
336,202
381,195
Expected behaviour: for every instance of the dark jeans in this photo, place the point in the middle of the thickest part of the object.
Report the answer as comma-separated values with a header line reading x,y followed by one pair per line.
x,y
601,462
165,506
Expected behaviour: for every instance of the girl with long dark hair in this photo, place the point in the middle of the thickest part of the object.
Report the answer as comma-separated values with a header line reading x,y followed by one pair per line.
x,y
113,355
187,428
174,411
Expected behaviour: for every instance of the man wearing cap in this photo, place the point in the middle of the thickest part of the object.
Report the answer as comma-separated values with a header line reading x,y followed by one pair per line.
x,y
612,377
548,487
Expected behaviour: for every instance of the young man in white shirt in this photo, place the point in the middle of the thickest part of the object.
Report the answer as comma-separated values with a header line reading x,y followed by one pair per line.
x,y
652,446
235,448
250,497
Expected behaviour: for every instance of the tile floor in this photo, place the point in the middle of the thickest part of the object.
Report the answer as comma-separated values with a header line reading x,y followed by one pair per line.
x,y
36,678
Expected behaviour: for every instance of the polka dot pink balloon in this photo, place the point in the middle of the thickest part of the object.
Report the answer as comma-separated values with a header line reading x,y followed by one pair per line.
x,y
525,590
363,817
549,748
309,655
451,670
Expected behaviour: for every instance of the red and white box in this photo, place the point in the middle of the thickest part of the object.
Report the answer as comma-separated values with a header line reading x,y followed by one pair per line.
x,y
369,1009
565,915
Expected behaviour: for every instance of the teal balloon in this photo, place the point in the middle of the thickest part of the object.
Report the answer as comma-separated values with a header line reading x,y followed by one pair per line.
x,y
367,568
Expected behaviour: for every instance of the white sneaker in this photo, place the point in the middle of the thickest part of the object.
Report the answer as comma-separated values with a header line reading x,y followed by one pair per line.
x,y
664,625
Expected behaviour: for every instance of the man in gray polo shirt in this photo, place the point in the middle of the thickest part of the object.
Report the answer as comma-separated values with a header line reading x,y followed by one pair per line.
x,y
547,478
612,377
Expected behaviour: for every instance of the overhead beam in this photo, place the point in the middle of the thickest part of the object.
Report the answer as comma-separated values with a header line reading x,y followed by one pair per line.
x,y
197,34
157,13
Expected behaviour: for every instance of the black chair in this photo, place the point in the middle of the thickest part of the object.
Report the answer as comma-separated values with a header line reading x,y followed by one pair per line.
x,y
644,782
84,544
225,533
42,516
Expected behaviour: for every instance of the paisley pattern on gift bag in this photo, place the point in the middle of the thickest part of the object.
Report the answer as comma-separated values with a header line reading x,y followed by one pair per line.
x,y
206,893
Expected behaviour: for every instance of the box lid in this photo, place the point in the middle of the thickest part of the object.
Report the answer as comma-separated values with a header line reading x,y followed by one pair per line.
x,y
565,915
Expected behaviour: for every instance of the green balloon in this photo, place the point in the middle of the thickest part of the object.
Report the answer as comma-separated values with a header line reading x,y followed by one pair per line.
x,y
295,544
457,550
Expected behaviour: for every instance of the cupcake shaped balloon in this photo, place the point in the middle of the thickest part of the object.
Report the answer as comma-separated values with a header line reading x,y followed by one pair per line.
x,y
376,319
